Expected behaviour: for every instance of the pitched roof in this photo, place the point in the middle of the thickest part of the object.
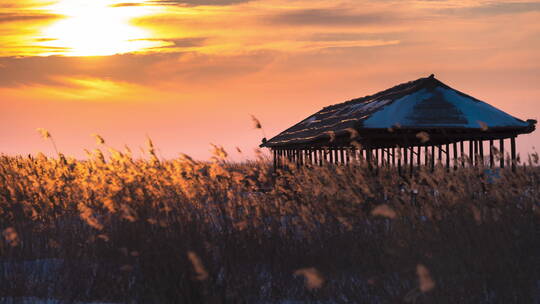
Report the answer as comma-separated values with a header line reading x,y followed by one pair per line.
x,y
425,103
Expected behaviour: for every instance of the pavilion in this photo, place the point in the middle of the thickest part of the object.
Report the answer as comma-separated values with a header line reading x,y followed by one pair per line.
x,y
411,124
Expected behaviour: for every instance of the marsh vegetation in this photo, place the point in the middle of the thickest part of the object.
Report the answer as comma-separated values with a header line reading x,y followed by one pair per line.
x,y
113,228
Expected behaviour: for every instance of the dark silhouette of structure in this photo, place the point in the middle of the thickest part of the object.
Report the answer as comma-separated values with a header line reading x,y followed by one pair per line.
x,y
414,123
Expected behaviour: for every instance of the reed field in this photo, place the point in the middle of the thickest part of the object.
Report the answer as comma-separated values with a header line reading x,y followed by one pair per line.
x,y
118,229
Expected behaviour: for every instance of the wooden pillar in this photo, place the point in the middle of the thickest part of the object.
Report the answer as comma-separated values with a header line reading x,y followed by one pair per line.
x,y
455,156
399,159
447,157
348,155
461,148
471,153
278,158
411,160
329,156
432,157
393,156
274,156
365,154
426,155
291,156
513,152
501,148
440,156
481,152
405,156
476,153
491,160
342,155
419,156
369,157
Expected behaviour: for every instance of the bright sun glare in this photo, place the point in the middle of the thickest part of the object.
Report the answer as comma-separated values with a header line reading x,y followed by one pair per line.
x,y
97,28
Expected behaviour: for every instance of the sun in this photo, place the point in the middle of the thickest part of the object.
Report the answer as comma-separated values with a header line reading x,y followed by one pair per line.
x,y
97,28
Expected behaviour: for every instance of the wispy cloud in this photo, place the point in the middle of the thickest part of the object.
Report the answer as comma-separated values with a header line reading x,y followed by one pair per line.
x,y
148,69
18,17
197,2
178,44
181,3
331,17
494,8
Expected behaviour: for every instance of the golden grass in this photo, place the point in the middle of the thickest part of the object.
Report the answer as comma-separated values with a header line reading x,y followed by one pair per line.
x,y
187,231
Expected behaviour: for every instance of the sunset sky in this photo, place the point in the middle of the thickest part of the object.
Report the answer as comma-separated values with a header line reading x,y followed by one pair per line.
x,y
190,73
